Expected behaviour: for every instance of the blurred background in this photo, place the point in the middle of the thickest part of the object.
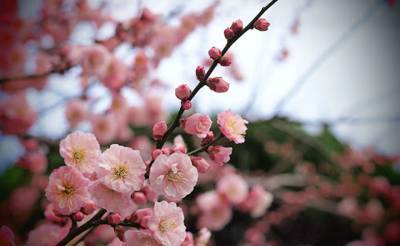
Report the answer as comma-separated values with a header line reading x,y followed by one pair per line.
x,y
320,87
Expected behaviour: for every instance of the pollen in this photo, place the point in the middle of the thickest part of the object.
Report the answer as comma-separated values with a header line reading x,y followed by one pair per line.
x,y
120,172
167,225
78,156
66,190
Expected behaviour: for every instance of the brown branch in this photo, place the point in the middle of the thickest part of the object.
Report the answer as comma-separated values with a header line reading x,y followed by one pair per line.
x,y
204,147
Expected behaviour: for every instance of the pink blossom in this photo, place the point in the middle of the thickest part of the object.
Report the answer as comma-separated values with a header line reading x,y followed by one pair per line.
x,y
76,112
200,163
140,237
219,154
122,169
233,187
48,234
67,190
167,223
16,115
215,211
214,53
115,75
188,240
258,201
173,176
197,124
35,161
159,130
111,200
232,126
80,150
104,127
6,236
95,59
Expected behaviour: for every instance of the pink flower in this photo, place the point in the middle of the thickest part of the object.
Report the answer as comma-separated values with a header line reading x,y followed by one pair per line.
x,y
6,236
104,127
115,75
203,238
200,73
200,163
111,200
159,130
47,234
167,224
140,237
173,176
218,84
16,115
197,124
35,161
182,92
95,59
67,190
232,126
122,169
80,150
258,201
219,154
215,211
76,112
233,187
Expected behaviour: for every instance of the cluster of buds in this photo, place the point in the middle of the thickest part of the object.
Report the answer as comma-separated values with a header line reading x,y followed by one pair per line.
x,y
183,93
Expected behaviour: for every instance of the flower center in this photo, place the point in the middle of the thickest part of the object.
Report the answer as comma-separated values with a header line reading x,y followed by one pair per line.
x,y
67,190
120,172
167,225
233,126
78,156
174,175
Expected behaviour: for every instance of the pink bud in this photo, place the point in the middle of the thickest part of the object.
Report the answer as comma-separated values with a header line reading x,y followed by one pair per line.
x,y
78,216
261,24
89,208
219,154
139,198
186,105
225,61
156,153
208,138
200,73
229,33
200,163
142,216
166,151
159,130
214,53
217,84
237,26
151,195
183,92
114,219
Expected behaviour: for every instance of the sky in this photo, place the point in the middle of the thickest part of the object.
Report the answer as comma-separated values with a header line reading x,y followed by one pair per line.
x,y
343,66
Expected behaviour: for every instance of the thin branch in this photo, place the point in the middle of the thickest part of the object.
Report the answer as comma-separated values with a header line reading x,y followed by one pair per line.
x,y
204,147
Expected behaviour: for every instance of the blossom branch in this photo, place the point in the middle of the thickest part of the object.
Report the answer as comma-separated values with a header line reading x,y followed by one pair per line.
x,y
204,147
202,82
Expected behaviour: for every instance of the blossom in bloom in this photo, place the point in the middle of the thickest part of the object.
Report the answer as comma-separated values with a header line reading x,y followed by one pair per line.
x,y
173,176
219,154
80,150
197,124
104,127
76,112
140,237
233,187
48,234
122,169
215,211
67,190
95,59
6,236
258,201
115,74
167,223
111,200
35,161
16,115
232,126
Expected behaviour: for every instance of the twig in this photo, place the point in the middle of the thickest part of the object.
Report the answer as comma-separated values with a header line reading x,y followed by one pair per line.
x,y
204,147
